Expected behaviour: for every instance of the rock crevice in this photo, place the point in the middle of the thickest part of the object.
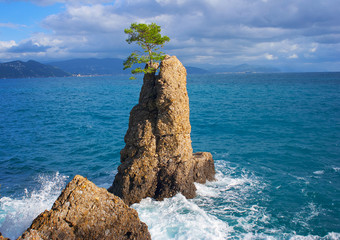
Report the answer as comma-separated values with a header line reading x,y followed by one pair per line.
x,y
157,160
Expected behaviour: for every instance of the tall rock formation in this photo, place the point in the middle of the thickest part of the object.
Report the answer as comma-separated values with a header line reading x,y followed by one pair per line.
x,y
85,211
157,160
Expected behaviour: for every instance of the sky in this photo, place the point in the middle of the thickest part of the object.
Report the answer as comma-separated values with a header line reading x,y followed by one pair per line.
x,y
292,35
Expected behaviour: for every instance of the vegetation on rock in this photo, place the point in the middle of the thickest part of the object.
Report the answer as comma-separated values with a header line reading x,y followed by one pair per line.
x,y
147,36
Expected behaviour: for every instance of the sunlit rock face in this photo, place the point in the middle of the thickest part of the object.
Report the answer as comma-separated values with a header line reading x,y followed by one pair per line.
x,y
85,211
157,160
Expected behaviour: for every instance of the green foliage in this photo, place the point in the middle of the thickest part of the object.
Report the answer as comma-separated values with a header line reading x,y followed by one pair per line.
x,y
147,36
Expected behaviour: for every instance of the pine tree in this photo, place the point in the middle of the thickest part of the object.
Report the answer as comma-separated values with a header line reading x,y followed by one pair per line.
x,y
147,36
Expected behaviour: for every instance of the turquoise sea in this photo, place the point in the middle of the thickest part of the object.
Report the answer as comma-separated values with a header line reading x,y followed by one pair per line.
x,y
275,139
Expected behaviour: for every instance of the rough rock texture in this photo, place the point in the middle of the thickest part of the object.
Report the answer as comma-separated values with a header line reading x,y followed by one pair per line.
x,y
158,159
85,211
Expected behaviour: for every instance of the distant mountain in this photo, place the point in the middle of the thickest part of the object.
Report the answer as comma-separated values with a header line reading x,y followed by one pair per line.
x,y
92,66
114,66
196,70
106,66
244,68
29,69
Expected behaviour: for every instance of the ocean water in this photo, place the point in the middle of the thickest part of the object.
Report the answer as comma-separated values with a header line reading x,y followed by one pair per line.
x,y
275,139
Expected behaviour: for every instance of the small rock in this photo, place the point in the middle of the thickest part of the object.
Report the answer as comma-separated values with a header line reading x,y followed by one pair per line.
x,y
85,211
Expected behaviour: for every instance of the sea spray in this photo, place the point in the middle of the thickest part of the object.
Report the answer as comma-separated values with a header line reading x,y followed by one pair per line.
x,y
179,218
18,213
216,213
232,199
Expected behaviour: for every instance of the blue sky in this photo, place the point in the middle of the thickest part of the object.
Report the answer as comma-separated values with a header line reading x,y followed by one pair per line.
x,y
288,34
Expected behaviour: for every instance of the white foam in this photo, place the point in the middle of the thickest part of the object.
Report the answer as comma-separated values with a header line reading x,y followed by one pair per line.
x,y
223,209
205,190
320,172
329,236
201,217
18,214
290,236
306,214
179,218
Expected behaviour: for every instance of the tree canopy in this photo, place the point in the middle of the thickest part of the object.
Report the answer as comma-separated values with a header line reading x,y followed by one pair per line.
x,y
147,36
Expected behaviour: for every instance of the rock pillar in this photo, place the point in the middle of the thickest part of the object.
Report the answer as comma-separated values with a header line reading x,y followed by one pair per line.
x,y
157,160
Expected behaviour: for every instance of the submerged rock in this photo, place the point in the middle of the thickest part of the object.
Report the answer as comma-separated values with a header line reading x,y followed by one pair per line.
x,y
85,211
157,160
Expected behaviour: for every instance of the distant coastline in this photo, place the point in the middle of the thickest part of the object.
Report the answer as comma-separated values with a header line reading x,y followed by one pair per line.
x,y
92,67
29,69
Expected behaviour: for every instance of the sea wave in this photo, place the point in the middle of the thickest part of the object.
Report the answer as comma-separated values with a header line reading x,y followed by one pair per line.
x,y
228,208
292,236
234,199
17,214
319,172
179,218
218,211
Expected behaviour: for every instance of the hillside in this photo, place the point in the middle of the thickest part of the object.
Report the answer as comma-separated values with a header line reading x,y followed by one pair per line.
x,y
92,66
106,66
29,69
114,66
196,70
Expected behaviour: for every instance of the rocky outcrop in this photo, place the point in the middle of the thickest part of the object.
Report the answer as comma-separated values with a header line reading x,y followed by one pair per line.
x,y
158,159
85,211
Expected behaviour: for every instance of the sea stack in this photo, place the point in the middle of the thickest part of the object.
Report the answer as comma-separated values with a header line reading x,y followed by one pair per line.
x,y
157,160
85,211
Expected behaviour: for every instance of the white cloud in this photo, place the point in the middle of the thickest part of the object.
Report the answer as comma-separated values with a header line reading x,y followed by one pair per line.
x,y
70,2
29,46
12,25
314,47
270,56
293,56
224,31
167,2
4,45
86,19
